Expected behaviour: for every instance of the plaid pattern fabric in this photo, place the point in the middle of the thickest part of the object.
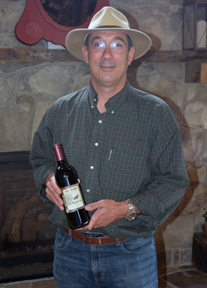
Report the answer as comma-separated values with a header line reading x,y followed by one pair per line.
x,y
133,150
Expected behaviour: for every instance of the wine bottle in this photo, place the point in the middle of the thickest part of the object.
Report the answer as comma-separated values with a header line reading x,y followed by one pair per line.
x,y
74,203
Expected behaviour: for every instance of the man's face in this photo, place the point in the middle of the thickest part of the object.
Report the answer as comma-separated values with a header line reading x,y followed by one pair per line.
x,y
108,67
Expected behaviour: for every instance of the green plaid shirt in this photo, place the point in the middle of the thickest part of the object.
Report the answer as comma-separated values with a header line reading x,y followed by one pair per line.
x,y
133,150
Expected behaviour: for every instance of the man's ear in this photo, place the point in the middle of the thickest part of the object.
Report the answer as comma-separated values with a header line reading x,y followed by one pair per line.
x,y
85,53
131,55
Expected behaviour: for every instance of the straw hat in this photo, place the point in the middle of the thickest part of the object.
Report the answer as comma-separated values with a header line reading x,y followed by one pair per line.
x,y
107,18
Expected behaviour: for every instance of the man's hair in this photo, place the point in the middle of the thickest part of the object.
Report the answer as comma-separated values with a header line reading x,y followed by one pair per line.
x,y
129,40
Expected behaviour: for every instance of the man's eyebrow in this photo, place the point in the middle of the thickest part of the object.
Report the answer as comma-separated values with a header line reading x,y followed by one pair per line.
x,y
96,38
119,38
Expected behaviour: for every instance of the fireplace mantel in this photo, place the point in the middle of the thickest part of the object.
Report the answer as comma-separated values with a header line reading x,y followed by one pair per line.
x,y
195,68
62,55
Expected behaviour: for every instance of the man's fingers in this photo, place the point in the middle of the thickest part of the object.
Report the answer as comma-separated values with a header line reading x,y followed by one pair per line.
x,y
94,206
53,192
91,207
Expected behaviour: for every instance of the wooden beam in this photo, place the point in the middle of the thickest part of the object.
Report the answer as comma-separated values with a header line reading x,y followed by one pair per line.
x,y
62,55
174,56
203,72
36,55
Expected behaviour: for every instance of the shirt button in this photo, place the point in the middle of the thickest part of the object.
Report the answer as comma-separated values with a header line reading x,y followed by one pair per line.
x,y
100,121
96,144
92,106
112,112
92,167
88,190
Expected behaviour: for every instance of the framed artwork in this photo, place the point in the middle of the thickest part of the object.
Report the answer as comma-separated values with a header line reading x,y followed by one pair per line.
x,y
51,20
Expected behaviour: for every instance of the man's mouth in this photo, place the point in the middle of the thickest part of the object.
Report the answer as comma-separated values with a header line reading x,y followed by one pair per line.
x,y
107,66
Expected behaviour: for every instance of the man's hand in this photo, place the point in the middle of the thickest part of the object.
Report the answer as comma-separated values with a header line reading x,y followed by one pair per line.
x,y
108,211
53,192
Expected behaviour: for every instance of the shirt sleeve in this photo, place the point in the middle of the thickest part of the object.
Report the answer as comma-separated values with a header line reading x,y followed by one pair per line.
x,y
169,179
41,155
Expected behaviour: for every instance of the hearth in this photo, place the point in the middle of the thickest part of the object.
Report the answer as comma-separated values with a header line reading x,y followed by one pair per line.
x,y
27,237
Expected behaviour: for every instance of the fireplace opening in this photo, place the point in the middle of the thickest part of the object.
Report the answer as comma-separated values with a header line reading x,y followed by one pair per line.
x,y
27,237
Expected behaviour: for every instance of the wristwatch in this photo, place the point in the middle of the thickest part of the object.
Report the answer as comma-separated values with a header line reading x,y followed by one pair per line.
x,y
132,213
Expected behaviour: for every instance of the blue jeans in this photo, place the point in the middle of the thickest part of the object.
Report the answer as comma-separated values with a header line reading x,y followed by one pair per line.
x,y
128,264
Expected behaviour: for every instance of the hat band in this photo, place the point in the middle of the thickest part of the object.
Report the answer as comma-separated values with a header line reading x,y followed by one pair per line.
x,y
108,26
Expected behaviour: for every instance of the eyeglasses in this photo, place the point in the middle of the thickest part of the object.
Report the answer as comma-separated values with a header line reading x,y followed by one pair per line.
x,y
117,46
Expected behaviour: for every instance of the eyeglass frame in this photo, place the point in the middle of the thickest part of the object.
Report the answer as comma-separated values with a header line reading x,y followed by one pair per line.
x,y
101,49
129,40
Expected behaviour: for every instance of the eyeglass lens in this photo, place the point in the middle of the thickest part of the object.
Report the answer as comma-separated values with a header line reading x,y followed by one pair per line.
x,y
98,46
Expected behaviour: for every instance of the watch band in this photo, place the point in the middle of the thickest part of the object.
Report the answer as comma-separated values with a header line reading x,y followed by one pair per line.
x,y
132,213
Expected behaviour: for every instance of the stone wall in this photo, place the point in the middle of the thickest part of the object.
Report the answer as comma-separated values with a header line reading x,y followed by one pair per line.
x,y
27,89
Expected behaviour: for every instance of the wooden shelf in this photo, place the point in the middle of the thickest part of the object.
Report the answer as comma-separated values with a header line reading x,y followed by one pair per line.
x,y
62,55
175,56
35,55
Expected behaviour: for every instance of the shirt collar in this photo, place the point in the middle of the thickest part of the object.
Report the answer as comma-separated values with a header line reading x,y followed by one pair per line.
x,y
114,102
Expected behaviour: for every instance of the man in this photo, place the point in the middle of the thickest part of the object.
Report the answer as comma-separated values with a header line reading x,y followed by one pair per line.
x,y
126,147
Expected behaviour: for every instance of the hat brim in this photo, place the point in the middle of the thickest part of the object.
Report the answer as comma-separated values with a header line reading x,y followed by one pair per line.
x,y
75,41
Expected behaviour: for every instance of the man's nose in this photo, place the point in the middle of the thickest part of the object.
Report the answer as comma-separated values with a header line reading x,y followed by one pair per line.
x,y
107,51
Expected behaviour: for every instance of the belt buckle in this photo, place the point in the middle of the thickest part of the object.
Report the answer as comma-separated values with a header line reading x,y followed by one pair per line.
x,y
99,241
84,238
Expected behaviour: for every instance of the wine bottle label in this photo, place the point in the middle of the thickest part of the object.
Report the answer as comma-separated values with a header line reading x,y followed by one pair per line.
x,y
72,198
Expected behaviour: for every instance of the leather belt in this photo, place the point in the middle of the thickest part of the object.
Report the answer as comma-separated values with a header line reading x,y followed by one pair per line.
x,y
92,240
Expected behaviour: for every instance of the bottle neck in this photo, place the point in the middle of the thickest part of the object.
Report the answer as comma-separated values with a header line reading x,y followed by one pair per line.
x,y
61,162
59,154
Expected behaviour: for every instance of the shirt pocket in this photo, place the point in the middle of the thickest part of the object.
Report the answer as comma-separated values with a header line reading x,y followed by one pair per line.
x,y
119,172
